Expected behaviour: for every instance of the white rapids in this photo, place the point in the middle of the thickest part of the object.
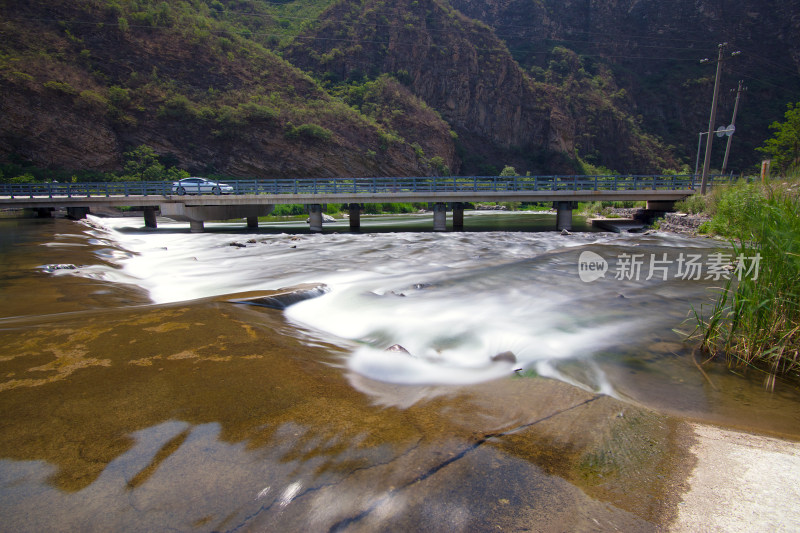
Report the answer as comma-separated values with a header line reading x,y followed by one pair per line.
x,y
452,300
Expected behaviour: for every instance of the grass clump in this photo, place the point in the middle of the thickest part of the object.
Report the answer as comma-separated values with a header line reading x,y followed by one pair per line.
x,y
694,204
755,320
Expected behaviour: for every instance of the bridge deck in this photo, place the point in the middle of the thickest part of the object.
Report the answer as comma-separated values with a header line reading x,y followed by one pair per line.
x,y
359,190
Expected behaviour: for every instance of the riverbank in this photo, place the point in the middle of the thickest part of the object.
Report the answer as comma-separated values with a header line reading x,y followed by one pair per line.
x,y
741,482
682,223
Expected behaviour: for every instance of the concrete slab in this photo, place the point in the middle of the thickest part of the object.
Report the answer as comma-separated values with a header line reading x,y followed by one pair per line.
x,y
741,482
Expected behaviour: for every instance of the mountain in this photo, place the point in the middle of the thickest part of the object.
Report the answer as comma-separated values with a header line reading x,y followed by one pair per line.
x,y
317,88
652,50
460,68
83,82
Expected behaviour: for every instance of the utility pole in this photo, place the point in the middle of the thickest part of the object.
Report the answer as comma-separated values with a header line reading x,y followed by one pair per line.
x,y
713,118
733,124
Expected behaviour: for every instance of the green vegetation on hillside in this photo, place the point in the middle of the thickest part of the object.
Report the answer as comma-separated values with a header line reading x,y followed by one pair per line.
x,y
200,80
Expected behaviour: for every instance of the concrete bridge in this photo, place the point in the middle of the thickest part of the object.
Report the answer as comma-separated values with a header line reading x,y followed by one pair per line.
x,y
253,198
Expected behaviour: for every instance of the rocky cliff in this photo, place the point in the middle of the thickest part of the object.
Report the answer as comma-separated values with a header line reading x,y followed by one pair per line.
x,y
465,72
652,50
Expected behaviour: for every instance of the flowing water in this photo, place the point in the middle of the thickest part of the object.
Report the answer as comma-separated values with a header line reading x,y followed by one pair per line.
x,y
136,395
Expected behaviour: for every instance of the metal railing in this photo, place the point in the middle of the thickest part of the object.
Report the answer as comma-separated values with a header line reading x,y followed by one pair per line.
x,y
381,185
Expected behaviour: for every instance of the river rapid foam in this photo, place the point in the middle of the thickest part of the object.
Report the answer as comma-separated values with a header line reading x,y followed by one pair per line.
x,y
452,300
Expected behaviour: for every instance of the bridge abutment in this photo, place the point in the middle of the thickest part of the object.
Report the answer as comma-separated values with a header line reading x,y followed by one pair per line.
x,y
77,213
439,217
660,205
315,217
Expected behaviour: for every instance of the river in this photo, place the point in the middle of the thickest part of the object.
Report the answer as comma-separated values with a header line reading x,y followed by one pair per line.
x,y
528,392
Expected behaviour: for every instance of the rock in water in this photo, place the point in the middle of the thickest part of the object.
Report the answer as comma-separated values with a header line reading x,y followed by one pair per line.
x,y
506,357
396,348
53,268
283,298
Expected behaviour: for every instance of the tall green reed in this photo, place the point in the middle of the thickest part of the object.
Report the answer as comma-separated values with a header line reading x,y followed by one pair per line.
x,y
755,320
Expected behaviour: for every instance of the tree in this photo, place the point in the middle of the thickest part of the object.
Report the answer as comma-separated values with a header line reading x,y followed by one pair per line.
x,y
509,171
784,146
142,163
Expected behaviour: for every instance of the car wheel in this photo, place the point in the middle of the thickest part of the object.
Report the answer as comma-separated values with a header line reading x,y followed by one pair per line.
x,y
181,191
216,190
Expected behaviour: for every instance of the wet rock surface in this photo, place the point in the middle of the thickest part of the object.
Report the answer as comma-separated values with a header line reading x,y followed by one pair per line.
x,y
201,421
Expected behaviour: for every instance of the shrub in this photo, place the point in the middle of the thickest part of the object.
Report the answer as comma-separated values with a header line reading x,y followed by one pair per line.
x,y
178,106
735,210
308,132
94,99
256,112
118,96
693,204
61,87
508,171
285,210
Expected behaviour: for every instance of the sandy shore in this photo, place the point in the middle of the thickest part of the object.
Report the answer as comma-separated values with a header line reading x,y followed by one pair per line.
x,y
741,482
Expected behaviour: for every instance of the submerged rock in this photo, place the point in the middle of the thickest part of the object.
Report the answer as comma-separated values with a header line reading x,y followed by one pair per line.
x,y
506,357
283,298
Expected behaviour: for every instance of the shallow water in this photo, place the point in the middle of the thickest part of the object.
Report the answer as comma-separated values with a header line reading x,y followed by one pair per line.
x,y
135,396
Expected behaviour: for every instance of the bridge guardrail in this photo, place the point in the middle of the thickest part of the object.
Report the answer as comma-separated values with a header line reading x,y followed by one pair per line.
x,y
371,185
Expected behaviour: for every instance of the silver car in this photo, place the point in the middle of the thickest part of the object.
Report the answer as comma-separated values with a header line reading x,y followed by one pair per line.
x,y
200,186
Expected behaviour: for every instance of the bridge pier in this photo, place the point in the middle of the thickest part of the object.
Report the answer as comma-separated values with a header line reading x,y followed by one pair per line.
x,y
458,215
315,218
354,211
563,215
439,217
77,213
252,222
196,226
150,217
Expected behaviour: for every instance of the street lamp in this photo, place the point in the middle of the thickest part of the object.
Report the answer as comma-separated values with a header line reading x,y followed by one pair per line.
x,y
699,143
